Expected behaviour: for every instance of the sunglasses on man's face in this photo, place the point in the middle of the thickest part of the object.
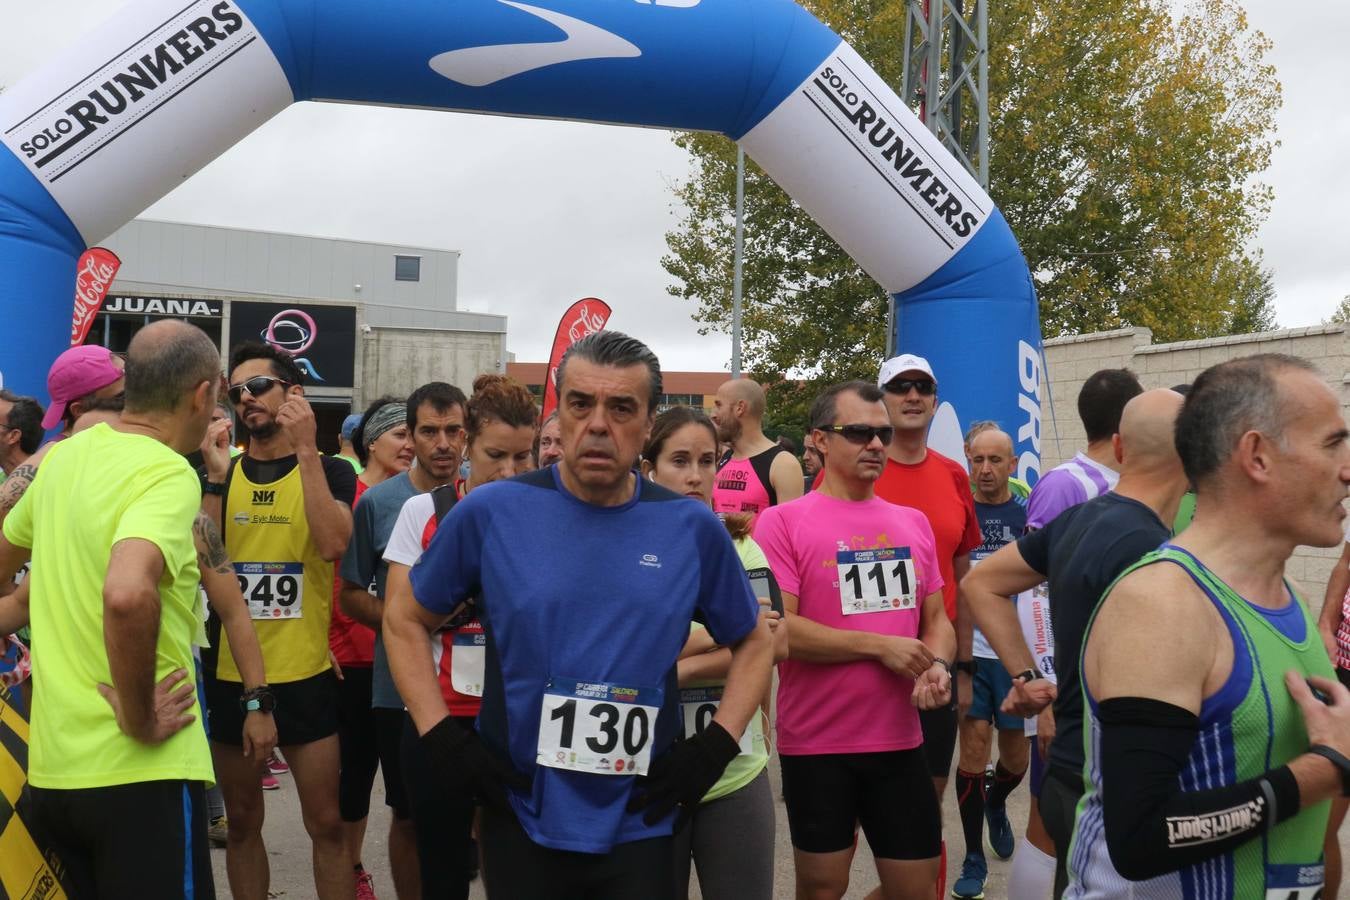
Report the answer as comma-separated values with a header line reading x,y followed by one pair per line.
x,y
861,434
901,386
256,387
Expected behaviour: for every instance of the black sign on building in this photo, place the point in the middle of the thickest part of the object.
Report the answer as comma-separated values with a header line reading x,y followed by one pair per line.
x,y
321,339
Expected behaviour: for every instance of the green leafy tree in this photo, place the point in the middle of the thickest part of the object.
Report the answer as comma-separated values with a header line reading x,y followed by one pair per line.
x,y
1126,143
1342,314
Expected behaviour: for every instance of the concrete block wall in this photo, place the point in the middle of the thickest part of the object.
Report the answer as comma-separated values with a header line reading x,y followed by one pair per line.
x,y
1070,360
397,360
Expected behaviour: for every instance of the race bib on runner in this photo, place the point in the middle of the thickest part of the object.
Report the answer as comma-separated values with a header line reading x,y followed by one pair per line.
x,y
1294,882
272,590
697,708
592,726
468,661
876,580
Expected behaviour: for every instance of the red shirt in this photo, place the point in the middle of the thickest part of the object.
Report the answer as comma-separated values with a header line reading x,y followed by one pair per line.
x,y
940,489
352,643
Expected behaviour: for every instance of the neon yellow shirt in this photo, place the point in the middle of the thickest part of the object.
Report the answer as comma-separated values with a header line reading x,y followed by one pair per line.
x,y
96,489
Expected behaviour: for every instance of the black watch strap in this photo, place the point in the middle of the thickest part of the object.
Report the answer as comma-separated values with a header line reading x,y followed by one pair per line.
x,y
211,487
1338,759
1027,675
964,665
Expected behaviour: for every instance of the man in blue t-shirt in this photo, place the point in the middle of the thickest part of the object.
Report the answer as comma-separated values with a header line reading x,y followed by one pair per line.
x,y
982,681
586,579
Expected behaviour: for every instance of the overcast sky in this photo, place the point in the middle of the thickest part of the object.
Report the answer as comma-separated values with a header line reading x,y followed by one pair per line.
x,y
546,212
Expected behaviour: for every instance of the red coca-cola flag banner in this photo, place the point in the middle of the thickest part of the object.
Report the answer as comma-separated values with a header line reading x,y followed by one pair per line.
x,y
93,277
587,316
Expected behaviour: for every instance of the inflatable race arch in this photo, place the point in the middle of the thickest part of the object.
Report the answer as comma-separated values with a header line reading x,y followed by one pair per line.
x,y
112,124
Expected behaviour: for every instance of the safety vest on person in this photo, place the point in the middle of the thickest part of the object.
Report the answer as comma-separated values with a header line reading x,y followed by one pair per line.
x,y
286,583
1251,726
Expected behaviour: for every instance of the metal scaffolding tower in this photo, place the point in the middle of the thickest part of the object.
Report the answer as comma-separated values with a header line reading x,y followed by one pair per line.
x,y
946,76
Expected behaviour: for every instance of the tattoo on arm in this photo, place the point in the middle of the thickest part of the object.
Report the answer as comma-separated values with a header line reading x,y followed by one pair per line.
x,y
14,486
210,548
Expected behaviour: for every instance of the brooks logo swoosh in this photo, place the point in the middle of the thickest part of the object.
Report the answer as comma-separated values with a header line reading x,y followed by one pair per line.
x,y
481,66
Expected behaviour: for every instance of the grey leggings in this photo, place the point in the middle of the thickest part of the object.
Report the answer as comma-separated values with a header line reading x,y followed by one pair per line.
x,y
731,841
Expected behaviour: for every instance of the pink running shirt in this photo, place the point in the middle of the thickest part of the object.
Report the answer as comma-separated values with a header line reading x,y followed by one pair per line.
x,y
853,707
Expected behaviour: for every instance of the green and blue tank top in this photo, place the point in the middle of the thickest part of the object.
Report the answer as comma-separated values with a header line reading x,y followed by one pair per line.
x,y
1251,725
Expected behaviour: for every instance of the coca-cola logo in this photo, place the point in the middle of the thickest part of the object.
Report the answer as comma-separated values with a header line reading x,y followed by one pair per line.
x,y
93,278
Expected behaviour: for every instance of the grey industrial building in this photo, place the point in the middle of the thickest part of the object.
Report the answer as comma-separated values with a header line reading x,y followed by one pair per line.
x,y
362,319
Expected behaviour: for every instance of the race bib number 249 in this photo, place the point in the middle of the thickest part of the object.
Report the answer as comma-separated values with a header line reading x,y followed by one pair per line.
x,y
272,590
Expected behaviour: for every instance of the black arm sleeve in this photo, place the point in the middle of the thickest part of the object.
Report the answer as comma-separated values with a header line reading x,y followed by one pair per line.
x,y
1154,827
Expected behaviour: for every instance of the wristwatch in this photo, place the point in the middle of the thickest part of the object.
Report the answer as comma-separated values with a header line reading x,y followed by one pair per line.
x,y
1027,675
964,665
211,487
258,699
1338,759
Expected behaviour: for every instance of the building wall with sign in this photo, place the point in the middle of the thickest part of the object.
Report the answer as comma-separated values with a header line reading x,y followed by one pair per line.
x,y
361,319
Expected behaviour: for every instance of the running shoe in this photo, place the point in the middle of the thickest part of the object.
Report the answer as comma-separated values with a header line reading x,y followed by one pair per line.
x,y
276,765
218,831
1001,839
970,886
365,886
270,783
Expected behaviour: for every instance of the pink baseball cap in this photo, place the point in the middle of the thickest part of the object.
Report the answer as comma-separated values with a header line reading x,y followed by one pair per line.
x,y
77,372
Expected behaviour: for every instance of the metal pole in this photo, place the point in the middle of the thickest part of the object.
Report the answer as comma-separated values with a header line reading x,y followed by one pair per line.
x,y
736,277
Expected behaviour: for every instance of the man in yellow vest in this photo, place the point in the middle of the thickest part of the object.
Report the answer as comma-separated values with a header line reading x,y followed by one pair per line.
x,y
285,512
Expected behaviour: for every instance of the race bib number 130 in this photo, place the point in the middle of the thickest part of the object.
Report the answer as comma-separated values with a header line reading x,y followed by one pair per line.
x,y
604,729
876,580
272,590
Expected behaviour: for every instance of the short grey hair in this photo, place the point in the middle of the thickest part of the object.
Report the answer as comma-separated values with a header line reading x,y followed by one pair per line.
x,y
1226,402
164,364
614,348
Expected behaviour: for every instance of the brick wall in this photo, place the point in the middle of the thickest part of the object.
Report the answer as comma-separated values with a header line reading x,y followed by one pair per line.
x,y
1070,360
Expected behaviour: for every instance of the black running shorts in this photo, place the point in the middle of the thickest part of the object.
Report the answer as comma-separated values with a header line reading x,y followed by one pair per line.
x,y
306,711
890,794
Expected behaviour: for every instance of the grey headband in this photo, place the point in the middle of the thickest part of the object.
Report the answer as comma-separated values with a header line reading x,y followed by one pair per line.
x,y
391,415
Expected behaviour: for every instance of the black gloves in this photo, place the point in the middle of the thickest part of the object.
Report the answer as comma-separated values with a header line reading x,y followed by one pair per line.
x,y
680,778
459,757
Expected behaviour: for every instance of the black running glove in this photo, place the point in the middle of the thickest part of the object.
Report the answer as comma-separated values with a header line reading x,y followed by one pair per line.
x,y
680,778
459,757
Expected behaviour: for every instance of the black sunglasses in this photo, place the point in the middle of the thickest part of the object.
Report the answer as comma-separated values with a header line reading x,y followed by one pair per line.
x,y
861,434
256,387
926,387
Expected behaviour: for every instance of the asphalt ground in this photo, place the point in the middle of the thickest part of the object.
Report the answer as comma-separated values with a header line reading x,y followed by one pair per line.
x,y
292,878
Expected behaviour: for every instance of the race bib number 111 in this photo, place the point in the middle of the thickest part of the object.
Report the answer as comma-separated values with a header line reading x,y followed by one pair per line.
x,y
876,580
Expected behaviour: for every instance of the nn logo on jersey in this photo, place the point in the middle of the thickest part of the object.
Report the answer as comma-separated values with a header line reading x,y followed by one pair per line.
x,y
264,498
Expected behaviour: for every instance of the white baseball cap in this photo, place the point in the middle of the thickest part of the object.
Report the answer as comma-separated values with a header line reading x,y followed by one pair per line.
x,y
899,365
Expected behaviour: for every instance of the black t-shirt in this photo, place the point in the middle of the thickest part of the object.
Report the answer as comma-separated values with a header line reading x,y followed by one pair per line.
x,y
1081,552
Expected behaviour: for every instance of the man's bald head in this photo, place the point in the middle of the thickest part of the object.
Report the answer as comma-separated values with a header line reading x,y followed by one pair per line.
x,y
745,391
991,441
166,361
1147,425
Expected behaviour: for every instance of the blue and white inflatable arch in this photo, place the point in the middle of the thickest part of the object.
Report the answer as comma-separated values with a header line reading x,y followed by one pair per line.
x,y
114,123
